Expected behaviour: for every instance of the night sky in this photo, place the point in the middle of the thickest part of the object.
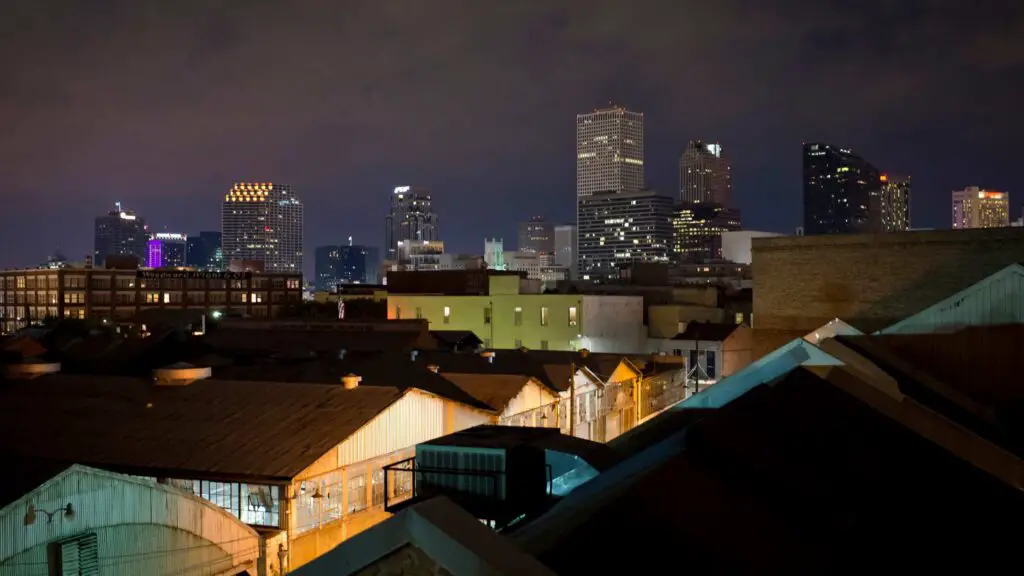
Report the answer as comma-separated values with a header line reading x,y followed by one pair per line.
x,y
164,104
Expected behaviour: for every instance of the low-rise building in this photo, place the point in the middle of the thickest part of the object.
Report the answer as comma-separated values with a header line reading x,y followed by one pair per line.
x,y
496,309
119,295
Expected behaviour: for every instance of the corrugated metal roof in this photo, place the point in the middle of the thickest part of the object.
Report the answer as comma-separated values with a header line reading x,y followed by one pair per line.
x,y
260,431
495,390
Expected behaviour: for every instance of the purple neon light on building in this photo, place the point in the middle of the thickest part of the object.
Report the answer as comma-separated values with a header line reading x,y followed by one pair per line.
x,y
154,254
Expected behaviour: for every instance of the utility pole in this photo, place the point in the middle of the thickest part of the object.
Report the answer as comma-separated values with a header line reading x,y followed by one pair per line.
x,y
572,398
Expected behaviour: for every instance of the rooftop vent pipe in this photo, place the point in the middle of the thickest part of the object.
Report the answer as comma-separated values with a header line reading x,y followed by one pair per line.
x,y
351,381
489,354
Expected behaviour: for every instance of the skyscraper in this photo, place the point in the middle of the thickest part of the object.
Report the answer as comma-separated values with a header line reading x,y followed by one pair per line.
x,y
697,229
166,250
565,248
411,217
895,201
203,251
841,191
120,233
974,207
609,151
705,174
536,236
262,221
617,228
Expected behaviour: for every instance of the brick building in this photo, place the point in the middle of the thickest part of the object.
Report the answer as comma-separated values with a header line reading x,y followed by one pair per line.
x,y
118,295
871,281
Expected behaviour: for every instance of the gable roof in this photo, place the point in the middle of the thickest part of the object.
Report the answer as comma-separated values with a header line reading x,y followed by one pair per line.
x,y
494,390
214,429
997,299
434,534
457,338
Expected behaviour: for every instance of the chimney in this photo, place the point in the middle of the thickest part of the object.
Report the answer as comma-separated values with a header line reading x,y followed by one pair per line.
x,y
351,381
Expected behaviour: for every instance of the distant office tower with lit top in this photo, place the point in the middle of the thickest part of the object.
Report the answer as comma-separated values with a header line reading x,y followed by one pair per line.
x,y
705,174
841,191
895,200
975,207
410,218
263,221
166,250
120,233
609,151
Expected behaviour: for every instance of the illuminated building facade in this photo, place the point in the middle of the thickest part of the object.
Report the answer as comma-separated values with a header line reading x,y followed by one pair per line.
x,y
895,199
349,264
118,296
410,219
618,228
420,255
705,174
166,250
974,207
841,191
120,233
262,221
697,229
609,151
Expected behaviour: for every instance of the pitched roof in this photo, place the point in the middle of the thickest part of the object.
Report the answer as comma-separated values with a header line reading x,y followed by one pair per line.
x,y
452,338
283,340
208,429
495,390
797,477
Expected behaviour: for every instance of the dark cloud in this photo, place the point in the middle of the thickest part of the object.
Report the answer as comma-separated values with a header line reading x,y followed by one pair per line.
x,y
163,104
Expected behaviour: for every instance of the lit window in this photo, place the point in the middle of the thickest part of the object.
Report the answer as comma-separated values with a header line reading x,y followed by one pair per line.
x,y
739,317
447,314
543,315
518,319
573,320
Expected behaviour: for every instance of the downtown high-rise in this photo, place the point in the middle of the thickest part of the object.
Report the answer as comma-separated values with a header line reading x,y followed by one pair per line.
x,y
120,232
705,175
895,199
262,221
609,151
974,207
841,191
411,217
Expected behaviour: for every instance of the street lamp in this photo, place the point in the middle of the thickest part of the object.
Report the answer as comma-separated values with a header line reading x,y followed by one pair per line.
x,y
30,515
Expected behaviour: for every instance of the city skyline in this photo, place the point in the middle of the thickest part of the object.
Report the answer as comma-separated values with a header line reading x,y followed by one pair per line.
x,y
169,148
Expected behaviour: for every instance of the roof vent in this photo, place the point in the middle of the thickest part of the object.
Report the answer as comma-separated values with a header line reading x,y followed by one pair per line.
x,y
584,352
31,368
434,368
341,354
524,349
180,374
489,354
351,381
414,354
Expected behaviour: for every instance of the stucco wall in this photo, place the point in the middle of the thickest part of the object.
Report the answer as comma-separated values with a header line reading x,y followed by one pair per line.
x,y
873,280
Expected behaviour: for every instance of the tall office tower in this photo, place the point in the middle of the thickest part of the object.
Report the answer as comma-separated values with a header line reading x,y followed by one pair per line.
x,y
616,229
357,264
325,268
705,174
697,229
203,251
565,248
895,199
166,250
411,218
975,207
120,233
609,151
262,221
536,236
841,191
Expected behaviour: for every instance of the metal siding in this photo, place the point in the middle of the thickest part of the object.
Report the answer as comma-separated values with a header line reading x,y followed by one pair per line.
x,y
130,517
464,417
999,301
415,418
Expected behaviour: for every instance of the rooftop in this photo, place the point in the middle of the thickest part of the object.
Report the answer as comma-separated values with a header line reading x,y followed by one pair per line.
x,y
214,429
495,390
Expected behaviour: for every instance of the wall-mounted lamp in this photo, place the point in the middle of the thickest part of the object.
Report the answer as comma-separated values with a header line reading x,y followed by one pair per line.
x,y
30,515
